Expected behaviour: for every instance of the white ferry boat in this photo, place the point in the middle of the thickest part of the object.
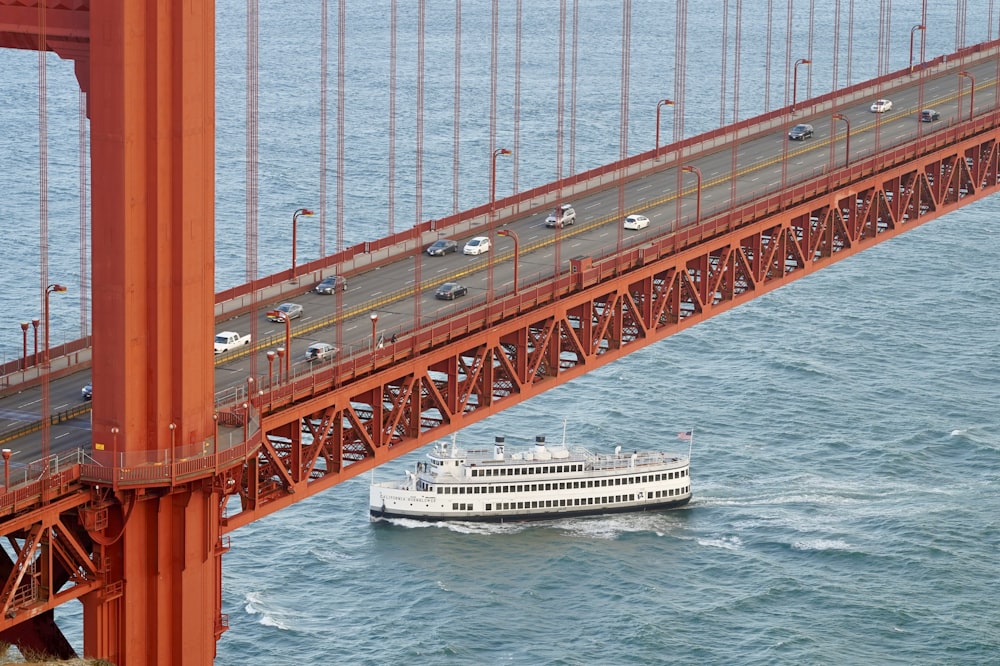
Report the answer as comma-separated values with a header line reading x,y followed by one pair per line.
x,y
547,482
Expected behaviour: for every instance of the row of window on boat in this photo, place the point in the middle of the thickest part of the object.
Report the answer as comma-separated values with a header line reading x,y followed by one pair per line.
x,y
575,501
561,485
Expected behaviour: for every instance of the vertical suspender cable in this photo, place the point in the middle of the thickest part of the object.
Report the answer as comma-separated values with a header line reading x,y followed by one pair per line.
x,y
517,95
812,30
491,180
736,65
419,172
341,123
885,11
960,18
84,219
43,211
680,70
850,41
623,111
572,86
341,97
393,40
836,45
324,65
252,143
788,53
419,175
767,57
560,103
722,66
457,120
734,147
494,57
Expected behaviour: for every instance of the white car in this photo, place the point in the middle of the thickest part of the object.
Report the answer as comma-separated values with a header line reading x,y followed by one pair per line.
x,y
881,105
636,222
477,245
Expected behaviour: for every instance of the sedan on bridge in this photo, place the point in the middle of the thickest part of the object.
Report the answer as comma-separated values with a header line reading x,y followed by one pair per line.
x,y
929,116
87,392
477,245
881,105
800,132
449,291
441,247
331,284
289,310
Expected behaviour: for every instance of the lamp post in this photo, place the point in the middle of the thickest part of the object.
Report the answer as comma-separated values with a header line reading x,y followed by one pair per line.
x,y
288,343
58,288
972,92
374,323
35,322
795,77
660,105
6,469
173,453
24,334
295,224
511,234
913,30
270,368
281,356
697,172
847,140
493,177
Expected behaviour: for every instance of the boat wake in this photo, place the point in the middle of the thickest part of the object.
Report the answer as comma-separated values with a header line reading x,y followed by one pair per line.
x,y
254,605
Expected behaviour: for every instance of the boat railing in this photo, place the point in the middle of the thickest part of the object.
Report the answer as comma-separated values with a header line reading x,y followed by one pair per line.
x,y
624,460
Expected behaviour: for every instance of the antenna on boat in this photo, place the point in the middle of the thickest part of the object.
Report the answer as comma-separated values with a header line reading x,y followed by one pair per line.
x,y
690,443
454,443
565,421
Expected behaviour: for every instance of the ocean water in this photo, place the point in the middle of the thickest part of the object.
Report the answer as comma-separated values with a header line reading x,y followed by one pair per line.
x,y
847,436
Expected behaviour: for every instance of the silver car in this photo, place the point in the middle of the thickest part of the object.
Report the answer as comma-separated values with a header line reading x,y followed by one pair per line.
x,y
289,310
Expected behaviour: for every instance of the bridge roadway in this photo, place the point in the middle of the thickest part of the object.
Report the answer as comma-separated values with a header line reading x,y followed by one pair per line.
x,y
764,163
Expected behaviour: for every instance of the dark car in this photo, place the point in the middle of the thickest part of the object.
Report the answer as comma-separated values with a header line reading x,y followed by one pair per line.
x,y
449,291
801,132
331,284
87,392
929,116
441,247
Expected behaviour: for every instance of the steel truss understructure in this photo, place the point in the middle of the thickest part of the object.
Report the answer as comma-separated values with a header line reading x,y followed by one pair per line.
x,y
329,430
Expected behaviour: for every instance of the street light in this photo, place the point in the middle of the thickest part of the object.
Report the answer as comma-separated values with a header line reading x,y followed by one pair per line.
x,y
35,322
697,172
795,77
6,469
270,368
913,30
24,357
659,105
281,360
295,222
288,342
972,93
510,233
374,322
493,177
58,288
847,141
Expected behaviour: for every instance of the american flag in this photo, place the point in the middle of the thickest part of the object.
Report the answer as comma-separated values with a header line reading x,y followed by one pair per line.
x,y
687,435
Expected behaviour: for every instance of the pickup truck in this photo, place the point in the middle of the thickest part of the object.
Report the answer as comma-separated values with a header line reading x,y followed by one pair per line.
x,y
228,341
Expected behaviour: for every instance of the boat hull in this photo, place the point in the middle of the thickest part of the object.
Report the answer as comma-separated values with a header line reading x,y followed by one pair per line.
x,y
534,515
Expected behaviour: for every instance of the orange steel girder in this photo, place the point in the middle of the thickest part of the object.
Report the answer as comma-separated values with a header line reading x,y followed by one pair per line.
x,y
590,318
